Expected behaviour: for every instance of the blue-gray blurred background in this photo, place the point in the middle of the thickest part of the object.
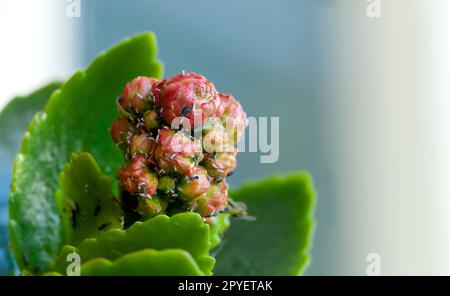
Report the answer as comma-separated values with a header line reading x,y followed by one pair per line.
x,y
362,103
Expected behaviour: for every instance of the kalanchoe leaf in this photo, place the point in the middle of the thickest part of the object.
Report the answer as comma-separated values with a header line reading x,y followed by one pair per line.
x,y
185,231
148,262
14,120
85,200
76,119
217,226
278,242
172,262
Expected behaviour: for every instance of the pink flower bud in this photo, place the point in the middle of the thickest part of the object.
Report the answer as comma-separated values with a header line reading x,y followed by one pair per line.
x,y
193,187
136,178
188,95
213,201
121,131
141,145
221,164
177,153
138,96
234,117
214,135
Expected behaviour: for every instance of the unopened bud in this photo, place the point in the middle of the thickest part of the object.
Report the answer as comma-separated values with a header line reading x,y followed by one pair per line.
x,y
138,96
121,131
215,136
151,120
213,201
234,118
193,187
177,153
166,184
221,164
136,178
150,206
141,145
188,95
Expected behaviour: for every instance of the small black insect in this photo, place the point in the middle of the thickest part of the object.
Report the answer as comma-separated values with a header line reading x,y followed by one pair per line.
x,y
73,217
194,178
185,110
230,174
103,226
73,221
97,210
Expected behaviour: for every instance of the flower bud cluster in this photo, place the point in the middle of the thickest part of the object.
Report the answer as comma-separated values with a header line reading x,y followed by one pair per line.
x,y
179,138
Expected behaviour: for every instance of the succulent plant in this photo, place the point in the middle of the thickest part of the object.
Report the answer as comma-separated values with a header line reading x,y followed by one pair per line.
x,y
64,193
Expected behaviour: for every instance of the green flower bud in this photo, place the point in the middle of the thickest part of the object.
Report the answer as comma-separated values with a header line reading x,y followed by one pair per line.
x,y
151,120
166,184
149,207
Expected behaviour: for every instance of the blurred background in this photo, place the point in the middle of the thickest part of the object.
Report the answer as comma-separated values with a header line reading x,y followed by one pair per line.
x,y
363,102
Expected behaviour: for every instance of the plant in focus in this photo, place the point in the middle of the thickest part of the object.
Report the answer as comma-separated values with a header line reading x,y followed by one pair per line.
x,y
154,200
178,136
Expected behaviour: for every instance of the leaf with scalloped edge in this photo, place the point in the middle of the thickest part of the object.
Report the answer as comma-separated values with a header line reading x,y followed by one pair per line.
x,y
14,120
76,119
148,262
217,226
85,200
278,242
185,231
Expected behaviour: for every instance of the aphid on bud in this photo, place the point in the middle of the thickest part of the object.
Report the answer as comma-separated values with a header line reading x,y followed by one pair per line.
x,y
185,110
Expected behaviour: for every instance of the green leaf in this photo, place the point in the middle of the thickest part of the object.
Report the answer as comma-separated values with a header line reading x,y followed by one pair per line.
x,y
278,242
85,200
76,119
185,231
14,120
217,226
147,262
